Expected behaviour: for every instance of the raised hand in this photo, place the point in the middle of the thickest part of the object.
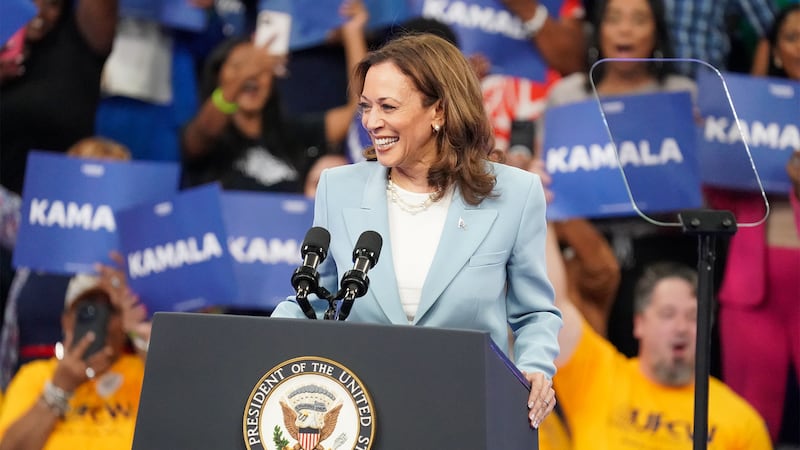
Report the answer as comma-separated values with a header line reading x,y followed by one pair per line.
x,y
246,63
72,370
356,14
134,313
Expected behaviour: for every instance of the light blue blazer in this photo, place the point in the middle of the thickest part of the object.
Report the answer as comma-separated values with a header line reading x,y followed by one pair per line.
x,y
486,275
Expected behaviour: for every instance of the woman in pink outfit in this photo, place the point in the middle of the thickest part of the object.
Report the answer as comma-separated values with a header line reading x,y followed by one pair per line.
x,y
759,315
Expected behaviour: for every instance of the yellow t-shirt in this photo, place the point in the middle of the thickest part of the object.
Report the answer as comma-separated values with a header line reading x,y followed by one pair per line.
x,y
553,434
102,411
610,405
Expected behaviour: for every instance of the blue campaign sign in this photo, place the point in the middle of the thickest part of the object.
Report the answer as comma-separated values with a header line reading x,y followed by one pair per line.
x,y
265,233
70,205
176,251
659,161
357,140
179,14
232,15
13,15
386,12
312,20
142,9
487,27
769,115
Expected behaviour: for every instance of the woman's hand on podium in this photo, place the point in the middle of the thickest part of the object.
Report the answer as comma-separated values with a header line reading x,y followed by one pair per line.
x,y
542,399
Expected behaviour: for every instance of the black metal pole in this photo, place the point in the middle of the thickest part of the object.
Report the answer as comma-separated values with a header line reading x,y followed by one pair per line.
x,y
705,297
706,225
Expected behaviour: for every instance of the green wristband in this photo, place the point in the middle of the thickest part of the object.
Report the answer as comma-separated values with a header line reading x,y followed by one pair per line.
x,y
223,105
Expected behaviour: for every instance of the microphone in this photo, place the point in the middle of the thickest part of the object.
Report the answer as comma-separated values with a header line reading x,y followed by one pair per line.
x,y
355,281
305,278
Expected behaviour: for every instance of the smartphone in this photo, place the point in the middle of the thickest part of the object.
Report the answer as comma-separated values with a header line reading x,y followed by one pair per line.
x,y
272,31
92,314
523,132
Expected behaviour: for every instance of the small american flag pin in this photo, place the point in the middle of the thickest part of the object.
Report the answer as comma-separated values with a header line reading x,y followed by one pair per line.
x,y
462,224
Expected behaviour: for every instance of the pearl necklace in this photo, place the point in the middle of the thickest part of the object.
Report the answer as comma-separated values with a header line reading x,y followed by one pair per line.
x,y
411,208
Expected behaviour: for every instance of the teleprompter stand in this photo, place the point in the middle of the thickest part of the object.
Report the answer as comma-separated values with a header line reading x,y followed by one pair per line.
x,y
707,225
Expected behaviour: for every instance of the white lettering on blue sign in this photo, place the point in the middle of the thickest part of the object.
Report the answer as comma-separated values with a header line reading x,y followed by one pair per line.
x,y
484,18
273,251
597,156
45,213
229,6
757,134
173,255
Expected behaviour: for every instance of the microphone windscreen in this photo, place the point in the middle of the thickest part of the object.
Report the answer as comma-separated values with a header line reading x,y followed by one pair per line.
x,y
370,241
317,237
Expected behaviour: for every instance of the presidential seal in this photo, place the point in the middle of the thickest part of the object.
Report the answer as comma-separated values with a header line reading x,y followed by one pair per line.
x,y
309,403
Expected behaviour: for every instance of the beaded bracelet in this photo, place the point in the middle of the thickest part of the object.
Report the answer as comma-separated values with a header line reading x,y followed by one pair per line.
x,y
56,398
223,105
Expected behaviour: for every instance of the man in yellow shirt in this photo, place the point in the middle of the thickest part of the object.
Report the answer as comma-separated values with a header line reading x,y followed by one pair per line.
x,y
613,402
80,399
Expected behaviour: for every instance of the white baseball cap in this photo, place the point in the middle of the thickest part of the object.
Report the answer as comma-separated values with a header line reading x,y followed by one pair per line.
x,y
79,285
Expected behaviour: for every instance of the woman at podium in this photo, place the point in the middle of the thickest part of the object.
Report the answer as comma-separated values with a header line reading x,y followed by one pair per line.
x,y
464,236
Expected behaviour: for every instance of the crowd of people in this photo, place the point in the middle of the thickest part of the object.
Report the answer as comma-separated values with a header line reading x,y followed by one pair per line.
x,y
600,314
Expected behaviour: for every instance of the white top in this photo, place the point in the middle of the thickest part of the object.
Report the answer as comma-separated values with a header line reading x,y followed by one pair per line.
x,y
413,249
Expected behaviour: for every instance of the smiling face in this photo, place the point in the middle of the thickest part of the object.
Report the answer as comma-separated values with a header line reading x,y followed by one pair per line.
x,y
666,329
787,46
398,122
627,30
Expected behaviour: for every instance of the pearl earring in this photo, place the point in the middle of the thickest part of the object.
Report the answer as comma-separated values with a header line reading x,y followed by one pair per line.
x,y
436,128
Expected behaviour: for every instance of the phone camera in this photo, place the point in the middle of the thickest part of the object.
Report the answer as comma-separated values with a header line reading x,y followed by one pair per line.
x,y
87,312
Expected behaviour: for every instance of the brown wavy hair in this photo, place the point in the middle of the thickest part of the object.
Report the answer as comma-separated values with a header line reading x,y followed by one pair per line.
x,y
440,72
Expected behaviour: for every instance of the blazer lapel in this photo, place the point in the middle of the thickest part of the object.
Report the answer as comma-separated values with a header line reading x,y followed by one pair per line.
x,y
373,215
464,230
